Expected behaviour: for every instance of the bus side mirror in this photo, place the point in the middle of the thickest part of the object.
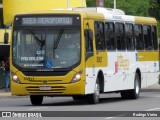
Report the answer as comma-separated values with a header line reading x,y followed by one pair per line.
x,y
6,37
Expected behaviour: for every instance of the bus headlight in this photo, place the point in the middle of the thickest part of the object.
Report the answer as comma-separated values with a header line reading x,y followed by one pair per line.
x,y
15,78
77,77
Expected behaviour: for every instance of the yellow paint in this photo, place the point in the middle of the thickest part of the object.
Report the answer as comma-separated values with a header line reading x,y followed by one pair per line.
x,y
12,7
67,89
148,56
77,88
145,20
2,31
99,58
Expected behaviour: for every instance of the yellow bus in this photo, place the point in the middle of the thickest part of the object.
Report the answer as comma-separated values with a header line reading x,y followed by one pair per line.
x,y
82,52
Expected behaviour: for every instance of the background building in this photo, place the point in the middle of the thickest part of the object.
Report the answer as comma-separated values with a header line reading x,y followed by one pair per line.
x,y
12,7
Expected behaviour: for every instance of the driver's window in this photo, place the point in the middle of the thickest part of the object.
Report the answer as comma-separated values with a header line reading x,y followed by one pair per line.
x,y
89,41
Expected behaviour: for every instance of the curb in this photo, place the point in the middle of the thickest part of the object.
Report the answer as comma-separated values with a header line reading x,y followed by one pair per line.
x,y
150,90
9,95
4,94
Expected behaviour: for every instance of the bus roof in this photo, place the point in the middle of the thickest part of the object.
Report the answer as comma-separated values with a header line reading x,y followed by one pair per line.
x,y
145,20
101,13
84,14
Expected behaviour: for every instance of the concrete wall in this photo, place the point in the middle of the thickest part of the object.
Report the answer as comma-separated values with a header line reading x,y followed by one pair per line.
x,y
1,18
12,7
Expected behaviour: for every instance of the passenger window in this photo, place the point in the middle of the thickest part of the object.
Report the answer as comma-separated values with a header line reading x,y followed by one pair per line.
x,y
139,37
147,37
110,36
154,37
129,36
120,36
99,35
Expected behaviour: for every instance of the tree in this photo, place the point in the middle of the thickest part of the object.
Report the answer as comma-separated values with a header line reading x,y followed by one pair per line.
x,y
147,8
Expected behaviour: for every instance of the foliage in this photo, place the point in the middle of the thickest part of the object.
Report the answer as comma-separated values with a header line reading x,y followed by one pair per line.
x,y
134,7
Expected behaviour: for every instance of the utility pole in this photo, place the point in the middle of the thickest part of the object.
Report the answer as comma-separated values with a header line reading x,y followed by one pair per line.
x,y
114,4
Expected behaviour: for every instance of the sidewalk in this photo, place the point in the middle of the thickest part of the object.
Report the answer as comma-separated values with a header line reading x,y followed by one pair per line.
x,y
4,93
155,87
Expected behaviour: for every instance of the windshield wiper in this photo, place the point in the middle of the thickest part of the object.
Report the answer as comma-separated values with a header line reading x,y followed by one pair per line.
x,y
56,41
41,42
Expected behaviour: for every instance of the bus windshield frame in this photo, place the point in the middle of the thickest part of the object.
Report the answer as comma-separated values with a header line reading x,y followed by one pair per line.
x,y
40,35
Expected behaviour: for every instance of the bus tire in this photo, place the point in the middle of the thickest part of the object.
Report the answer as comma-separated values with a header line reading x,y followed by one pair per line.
x,y
94,98
125,94
36,99
134,93
78,97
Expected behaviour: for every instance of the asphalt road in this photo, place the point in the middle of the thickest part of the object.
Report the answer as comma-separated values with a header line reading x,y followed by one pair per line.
x,y
148,102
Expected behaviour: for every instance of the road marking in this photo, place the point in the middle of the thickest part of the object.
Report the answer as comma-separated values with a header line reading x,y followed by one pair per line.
x,y
38,108
115,116
153,109
109,118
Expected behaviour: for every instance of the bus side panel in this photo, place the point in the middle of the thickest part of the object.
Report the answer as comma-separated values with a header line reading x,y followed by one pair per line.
x,y
150,60
112,81
142,67
152,73
152,67
90,62
128,67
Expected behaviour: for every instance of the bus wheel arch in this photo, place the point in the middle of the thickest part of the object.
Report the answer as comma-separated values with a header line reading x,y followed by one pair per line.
x,y
133,93
99,86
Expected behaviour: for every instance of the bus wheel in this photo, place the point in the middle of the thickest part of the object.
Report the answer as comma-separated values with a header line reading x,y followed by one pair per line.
x,y
134,94
36,99
94,98
125,94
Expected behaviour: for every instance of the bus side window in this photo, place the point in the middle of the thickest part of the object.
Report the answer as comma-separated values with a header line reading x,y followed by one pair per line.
x,y
120,36
154,37
89,40
110,36
139,37
99,35
129,36
147,37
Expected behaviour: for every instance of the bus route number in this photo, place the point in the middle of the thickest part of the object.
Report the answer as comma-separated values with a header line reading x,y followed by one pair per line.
x,y
99,59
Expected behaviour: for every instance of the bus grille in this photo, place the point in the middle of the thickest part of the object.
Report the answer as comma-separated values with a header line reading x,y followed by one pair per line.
x,y
53,91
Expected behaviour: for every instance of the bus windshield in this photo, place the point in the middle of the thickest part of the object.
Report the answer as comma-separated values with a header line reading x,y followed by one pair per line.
x,y
46,48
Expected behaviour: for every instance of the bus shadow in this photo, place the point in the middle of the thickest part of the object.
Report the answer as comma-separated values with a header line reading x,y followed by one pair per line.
x,y
83,102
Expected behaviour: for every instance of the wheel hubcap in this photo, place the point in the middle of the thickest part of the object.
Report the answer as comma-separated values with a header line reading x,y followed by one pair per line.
x,y
137,86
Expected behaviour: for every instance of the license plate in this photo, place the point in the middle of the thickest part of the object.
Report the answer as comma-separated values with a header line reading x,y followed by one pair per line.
x,y
45,87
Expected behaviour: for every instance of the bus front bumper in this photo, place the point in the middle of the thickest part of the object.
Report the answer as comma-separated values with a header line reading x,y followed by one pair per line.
x,y
70,89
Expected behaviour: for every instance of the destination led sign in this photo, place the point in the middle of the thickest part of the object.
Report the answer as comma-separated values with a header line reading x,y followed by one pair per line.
x,y
46,21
